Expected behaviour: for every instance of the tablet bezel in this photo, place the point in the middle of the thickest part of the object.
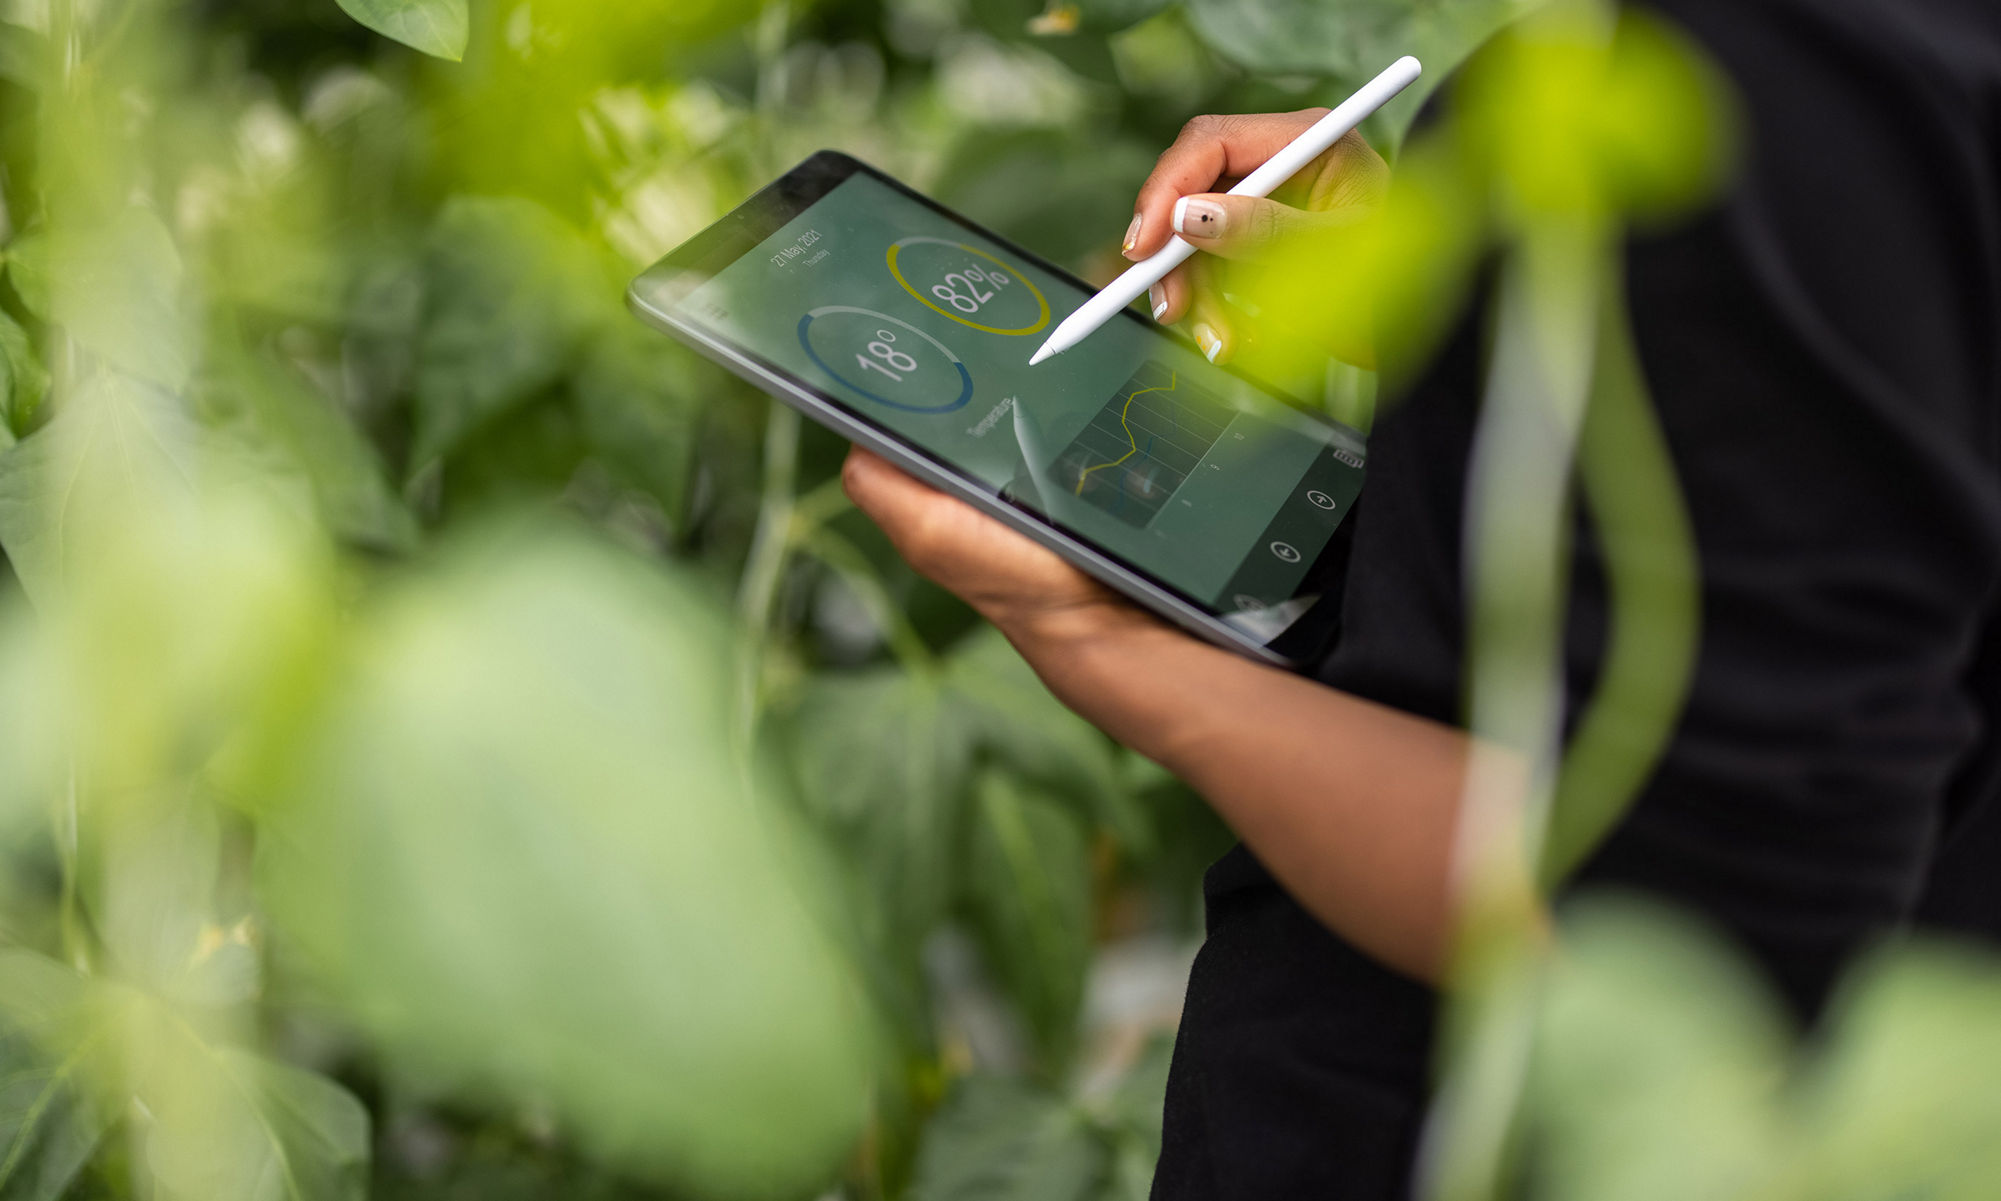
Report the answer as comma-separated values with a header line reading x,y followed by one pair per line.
x,y
654,295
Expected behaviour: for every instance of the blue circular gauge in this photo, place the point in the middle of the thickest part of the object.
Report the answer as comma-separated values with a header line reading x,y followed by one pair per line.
x,y
889,361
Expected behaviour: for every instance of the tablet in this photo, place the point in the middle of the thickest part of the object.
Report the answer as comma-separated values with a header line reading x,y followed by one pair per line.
x,y
1201,494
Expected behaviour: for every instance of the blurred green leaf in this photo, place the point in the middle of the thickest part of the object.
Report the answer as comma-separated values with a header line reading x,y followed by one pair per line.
x,y
284,430
1028,890
1903,1101
232,1124
1658,1063
116,447
23,380
437,27
639,409
1110,16
28,270
997,1140
49,1123
1020,724
116,286
520,848
23,55
512,291
883,756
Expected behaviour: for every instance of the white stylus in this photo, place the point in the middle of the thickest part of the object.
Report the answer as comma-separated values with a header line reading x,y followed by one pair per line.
x,y
1261,182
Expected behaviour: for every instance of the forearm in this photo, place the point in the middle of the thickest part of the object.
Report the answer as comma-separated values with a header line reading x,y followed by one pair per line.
x,y
1350,804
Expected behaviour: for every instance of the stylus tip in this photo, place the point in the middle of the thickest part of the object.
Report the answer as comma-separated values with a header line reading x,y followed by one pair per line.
x,y
1045,353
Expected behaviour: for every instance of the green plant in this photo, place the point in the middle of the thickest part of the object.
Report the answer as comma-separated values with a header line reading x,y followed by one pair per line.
x,y
456,745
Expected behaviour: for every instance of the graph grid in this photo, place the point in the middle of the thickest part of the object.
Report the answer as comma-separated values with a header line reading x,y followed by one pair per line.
x,y
1142,444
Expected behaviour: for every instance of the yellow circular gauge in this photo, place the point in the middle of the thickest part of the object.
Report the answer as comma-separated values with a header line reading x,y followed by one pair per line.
x,y
969,285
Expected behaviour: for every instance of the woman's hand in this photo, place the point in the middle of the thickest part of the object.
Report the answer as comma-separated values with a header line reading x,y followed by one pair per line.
x,y
1304,218
1035,597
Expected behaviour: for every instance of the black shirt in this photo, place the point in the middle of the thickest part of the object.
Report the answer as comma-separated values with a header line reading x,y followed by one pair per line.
x,y
1824,349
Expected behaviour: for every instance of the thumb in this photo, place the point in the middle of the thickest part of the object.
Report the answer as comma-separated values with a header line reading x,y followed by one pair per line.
x,y
1241,227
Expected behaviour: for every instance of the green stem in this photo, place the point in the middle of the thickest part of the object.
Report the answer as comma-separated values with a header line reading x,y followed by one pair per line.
x,y
852,566
757,598
1517,556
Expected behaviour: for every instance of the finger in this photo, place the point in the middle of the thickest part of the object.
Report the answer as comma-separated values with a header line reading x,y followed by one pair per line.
x,y
890,497
939,535
1246,227
1215,330
1169,298
1210,150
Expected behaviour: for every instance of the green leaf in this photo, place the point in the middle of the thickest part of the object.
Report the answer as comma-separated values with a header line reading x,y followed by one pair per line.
x,y
436,27
115,285
997,1140
28,269
639,408
284,430
24,54
512,291
1658,1063
1028,890
1903,1100
1110,16
50,1125
519,846
23,380
117,447
1018,723
883,757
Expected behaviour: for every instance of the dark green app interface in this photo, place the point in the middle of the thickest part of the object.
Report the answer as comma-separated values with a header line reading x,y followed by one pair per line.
x,y
1129,440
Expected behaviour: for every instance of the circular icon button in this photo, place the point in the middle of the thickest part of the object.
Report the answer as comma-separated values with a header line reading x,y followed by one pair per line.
x,y
1320,499
1285,551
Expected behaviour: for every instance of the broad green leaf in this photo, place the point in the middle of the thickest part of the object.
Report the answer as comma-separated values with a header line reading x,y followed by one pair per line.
x,y
639,408
1352,40
285,430
511,292
1018,723
116,285
28,270
882,759
1028,891
1658,1063
50,1124
23,380
436,27
1903,1099
24,55
117,448
998,1140
519,846
1110,16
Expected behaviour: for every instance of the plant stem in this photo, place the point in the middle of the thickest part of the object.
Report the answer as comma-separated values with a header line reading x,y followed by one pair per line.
x,y
764,572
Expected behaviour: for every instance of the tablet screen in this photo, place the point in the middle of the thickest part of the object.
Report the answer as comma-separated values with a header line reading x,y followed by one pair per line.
x,y
1130,440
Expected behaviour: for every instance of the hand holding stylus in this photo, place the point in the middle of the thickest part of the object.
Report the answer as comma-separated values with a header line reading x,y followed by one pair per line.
x,y
1260,175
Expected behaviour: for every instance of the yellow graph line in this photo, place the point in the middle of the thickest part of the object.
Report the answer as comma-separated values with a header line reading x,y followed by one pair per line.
x,y
1173,382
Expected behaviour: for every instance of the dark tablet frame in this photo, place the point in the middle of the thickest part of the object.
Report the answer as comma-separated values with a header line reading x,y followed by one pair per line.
x,y
655,294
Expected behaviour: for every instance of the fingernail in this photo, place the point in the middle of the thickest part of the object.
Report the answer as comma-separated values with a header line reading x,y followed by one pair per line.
x,y
1132,236
1158,295
1198,218
1206,338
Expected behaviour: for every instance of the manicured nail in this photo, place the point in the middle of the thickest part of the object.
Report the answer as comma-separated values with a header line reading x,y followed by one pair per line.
x,y
1198,218
1158,295
1206,338
1132,236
